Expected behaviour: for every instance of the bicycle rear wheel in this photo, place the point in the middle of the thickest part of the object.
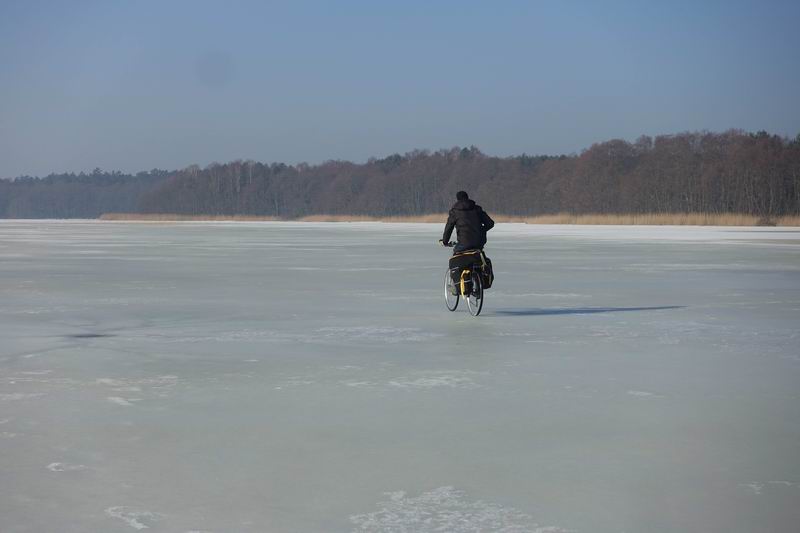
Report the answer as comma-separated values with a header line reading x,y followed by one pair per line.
x,y
450,291
475,298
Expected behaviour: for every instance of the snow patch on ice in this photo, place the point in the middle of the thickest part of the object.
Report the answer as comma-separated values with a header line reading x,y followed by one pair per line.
x,y
133,517
375,333
785,483
612,332
643,394
15,396
110,382
358,384
237,335
370,269
297,381
454,380
65,467
445,509
542,341
542,295
159,385
756,487
119,401
118,385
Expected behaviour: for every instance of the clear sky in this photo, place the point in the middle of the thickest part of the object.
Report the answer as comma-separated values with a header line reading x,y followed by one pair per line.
x,y
141,84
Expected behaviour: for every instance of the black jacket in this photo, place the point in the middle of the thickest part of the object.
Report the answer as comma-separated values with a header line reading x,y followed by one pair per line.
x,y
471,223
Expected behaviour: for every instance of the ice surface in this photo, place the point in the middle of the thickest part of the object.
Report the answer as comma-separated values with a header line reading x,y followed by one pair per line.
x,y
251,377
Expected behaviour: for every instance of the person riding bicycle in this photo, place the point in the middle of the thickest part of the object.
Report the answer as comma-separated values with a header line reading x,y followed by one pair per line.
x,y
471,223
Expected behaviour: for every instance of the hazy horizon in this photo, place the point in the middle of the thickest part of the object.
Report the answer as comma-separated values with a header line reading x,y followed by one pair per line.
x,y
131,87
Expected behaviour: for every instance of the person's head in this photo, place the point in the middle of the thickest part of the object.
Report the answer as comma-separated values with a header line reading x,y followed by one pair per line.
x,y
462,196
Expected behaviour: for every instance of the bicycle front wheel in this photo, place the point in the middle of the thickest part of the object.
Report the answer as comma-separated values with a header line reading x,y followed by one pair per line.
x,y
450,291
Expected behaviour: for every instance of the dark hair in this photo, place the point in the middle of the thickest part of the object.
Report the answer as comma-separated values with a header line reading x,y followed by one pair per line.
x,y
461,196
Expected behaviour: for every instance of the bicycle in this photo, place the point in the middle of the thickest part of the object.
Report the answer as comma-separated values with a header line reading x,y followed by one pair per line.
x,y
469,286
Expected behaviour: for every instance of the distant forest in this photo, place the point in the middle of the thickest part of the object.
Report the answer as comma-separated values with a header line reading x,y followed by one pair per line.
x,y
77,195
730,172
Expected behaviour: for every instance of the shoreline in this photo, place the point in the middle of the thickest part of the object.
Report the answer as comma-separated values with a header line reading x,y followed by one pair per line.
x,y
652,219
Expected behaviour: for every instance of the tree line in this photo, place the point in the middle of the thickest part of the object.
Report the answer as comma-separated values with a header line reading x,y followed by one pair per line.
x,y
76,195
729,172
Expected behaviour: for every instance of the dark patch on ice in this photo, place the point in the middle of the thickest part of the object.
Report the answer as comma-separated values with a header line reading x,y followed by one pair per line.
x,y
535,311
88,335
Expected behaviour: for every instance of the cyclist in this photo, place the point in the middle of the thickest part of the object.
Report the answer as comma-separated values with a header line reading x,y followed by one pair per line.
x,y
471,223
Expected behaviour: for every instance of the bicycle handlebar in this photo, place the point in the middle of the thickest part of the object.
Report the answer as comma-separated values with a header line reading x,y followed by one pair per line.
x,y
447,244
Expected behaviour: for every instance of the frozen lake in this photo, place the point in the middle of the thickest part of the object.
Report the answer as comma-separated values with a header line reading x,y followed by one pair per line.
x,y
298,377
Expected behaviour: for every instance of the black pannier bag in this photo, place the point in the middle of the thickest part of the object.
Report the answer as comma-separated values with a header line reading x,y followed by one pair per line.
x,y
464,260
487,272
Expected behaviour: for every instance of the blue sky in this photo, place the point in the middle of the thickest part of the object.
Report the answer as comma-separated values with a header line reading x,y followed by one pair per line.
x,y
142,84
